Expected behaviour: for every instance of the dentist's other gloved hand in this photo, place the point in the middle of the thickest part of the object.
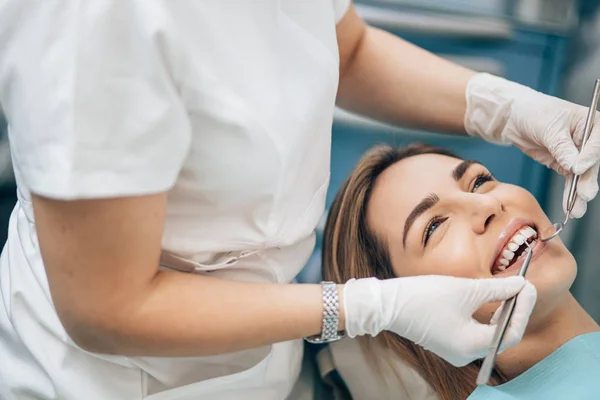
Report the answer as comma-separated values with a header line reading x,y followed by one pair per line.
x,y
546,128
436,312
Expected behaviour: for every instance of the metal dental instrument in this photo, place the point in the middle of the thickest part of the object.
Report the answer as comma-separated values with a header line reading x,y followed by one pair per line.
x,y
589,125
503,322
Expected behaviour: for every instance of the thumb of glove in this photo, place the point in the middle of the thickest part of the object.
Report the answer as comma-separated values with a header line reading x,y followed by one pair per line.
x,y
520,317
481,335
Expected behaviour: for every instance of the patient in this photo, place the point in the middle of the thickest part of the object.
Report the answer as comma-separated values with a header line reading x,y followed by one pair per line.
x,y
420,210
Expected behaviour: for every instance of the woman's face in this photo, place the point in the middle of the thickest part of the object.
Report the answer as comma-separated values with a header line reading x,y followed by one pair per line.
x,y
439,215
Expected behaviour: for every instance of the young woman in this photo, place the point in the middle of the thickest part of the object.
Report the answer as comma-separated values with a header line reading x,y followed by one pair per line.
x,y
420,210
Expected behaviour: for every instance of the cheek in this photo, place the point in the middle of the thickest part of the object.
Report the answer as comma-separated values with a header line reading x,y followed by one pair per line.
x,y
457,256
552,274
454,255
520,200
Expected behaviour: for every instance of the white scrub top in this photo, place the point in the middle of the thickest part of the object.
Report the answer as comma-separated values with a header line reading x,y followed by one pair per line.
x,y
226,104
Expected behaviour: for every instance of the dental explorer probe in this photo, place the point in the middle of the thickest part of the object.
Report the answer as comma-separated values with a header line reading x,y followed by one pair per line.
x,y
589,125
503,322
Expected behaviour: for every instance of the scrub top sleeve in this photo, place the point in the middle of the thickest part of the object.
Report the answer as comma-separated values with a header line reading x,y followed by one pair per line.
x,y
92,108
340,8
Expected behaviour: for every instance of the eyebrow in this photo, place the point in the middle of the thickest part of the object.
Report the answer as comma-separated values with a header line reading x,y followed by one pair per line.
x,y
462,168
432,199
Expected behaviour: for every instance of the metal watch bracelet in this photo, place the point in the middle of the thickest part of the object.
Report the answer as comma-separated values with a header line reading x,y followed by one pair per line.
x,y
331,316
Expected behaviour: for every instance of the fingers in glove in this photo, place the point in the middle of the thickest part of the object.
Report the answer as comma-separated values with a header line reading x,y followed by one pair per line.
x,y
590,155
494,289
520,318
579,208
579,118
560,170
587,189
541,155
480,337
563,149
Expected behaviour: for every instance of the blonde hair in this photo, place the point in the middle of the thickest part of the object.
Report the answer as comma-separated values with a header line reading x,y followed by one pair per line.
x,y
351,250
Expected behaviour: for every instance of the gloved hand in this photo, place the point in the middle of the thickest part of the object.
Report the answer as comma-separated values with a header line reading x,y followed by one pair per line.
x,y
545,128
436,312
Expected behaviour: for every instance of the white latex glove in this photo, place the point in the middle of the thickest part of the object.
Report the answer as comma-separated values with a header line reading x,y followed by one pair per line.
x,y
545,128
436,312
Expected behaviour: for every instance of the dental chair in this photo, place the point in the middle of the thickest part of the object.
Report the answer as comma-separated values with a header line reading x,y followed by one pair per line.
x,y
348,374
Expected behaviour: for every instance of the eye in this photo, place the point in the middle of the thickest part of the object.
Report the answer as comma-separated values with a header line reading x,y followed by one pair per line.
x,y
480,180
433,224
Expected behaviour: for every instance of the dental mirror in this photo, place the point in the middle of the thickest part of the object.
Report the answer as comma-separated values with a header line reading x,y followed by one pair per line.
x,y
557,228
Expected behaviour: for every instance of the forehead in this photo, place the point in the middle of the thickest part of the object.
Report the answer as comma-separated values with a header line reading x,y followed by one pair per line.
x,y
402,186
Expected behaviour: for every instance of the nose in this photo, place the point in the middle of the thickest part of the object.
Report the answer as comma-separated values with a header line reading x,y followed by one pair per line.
x,y
481,210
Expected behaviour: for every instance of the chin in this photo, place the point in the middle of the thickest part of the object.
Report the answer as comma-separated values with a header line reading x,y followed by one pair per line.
x,y
552,274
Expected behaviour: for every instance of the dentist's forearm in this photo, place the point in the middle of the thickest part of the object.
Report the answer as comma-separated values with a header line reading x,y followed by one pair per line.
x,y
189,315
102,260
396,82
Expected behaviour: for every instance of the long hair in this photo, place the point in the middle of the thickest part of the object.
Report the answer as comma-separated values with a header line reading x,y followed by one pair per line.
x,y
352,250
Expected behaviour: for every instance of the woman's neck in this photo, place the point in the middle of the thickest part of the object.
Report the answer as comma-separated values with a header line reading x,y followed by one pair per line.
x,y
566,322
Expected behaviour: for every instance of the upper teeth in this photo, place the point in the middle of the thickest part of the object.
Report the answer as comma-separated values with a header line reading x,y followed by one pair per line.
x,y
513,245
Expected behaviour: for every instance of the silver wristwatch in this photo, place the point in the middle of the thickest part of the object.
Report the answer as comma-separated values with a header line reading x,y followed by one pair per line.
x,y
331,316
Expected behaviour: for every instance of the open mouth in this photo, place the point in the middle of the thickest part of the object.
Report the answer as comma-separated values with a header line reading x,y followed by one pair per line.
x,y
515,247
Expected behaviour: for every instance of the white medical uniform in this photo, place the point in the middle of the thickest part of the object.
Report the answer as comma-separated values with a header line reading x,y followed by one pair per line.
x,y
228,105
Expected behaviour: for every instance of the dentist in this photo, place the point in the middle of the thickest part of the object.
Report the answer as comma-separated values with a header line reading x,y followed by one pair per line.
x,y
172,160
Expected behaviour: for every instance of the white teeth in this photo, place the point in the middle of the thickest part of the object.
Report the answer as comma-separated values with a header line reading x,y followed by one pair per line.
x,y
507,254
513,245
527,232
519,239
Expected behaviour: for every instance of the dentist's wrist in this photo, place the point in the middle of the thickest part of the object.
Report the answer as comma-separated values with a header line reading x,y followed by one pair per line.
x,y
342,311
